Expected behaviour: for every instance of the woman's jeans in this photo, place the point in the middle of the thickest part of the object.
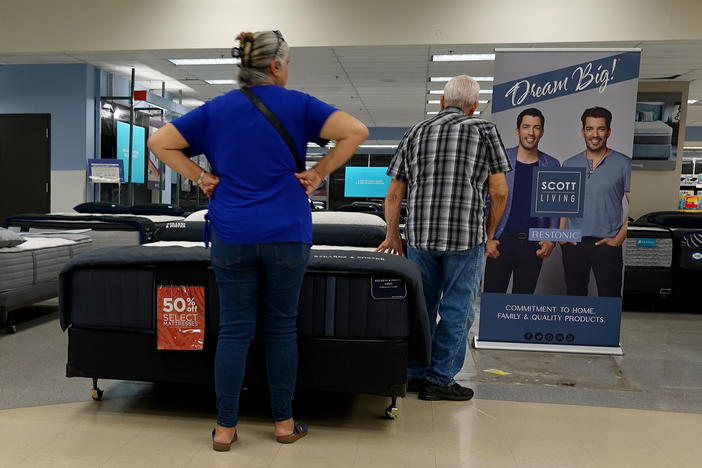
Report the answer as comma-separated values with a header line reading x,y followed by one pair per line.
x,y
451,282
263,281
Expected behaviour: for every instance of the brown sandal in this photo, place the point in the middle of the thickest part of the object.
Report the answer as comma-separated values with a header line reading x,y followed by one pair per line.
x,y
221,446
299,431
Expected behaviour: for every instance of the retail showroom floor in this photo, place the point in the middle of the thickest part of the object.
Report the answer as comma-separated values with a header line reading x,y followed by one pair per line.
x,y
642,409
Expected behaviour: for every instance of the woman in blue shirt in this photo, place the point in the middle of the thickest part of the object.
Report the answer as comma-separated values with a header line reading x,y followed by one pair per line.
x,y
262,227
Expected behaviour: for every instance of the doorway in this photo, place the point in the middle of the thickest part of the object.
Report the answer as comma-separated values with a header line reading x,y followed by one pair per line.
x,y
24,164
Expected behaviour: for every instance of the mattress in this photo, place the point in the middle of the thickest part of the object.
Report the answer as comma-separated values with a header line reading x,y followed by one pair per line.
x,y
31,269
38,259
106,230
655,133
347,294
328,228
690,259
648,246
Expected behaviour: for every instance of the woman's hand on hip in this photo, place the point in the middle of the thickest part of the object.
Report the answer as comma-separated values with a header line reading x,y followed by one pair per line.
x,y
209,184
309,179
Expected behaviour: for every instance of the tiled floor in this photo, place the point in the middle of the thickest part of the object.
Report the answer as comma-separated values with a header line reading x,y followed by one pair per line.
x,y
481,433
643,409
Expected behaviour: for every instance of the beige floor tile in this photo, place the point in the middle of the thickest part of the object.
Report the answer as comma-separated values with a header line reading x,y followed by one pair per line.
x,y
406,457
480,433
469,459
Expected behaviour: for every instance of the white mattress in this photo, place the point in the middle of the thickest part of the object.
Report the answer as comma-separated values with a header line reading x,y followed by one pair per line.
x,y
201,244
346,217
38,260
656,127
197,216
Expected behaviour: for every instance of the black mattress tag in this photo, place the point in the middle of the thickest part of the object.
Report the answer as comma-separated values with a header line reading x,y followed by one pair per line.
x,y
388,288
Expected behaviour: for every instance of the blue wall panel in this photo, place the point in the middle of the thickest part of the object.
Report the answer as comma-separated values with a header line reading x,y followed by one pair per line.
x,y
67,93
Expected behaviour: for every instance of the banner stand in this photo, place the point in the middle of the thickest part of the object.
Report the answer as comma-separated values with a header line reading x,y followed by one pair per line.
x,y
511,346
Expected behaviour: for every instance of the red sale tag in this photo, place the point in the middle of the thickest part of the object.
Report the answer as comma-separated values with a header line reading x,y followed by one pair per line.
x,y
180,316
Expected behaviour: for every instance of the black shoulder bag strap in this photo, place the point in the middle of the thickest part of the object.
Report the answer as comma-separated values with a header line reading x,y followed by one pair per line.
x,y
268,114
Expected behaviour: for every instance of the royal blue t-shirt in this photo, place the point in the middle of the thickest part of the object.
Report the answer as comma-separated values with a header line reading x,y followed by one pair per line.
x,y
258,200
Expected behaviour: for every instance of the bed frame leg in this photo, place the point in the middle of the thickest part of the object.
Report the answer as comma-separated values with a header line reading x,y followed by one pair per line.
x,y
96,393
392,411
9,325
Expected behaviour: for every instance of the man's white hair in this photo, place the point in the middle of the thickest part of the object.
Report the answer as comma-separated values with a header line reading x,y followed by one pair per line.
x,y
461,91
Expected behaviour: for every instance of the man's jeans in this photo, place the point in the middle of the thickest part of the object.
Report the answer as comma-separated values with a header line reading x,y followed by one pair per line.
x,y
257,281
451,282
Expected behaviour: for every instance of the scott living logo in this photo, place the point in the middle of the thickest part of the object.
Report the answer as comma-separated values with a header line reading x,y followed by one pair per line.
x,y
558,192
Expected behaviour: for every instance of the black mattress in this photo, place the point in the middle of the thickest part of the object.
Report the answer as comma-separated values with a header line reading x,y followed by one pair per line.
x,y
648,260
25,222
361,315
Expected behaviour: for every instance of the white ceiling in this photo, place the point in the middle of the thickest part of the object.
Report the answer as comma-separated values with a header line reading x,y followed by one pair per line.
x,y
384,86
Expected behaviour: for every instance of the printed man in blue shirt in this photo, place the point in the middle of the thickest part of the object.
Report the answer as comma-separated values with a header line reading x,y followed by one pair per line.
x,y
514,256
603,224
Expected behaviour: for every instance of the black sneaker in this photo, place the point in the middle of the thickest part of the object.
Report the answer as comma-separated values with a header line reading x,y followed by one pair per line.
x,y
415,385
433,392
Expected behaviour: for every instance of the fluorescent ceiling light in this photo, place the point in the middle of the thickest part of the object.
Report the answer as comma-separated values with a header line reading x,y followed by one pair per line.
x,y
221,82
192,102
462,57
693,101
205,61
485,91
378,146
692,147
439,79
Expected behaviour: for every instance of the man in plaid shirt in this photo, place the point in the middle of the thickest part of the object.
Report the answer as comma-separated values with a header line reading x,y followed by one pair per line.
x,y
447,165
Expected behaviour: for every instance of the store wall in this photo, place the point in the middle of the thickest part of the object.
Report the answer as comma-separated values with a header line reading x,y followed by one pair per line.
x,y
67,93
169,24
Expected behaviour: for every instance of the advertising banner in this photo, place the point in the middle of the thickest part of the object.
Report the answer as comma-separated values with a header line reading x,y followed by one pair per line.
x,y
138,148
180,317
555,282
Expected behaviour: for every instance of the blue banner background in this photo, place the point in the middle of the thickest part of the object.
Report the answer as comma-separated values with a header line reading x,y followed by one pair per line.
x,y
564,81
549,321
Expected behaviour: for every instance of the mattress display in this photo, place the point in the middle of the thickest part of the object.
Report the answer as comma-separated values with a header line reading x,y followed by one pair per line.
x,y
648,259
328,228
30,270
652,140
361,314
648,246
686,233
106,230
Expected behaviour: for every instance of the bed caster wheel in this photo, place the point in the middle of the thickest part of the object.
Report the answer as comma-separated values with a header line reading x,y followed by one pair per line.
x,y
392,412
96,393
11,329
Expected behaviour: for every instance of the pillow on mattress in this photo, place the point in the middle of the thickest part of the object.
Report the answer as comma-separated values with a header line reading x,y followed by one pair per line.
x,y
10,238
157,209
100,207
197,216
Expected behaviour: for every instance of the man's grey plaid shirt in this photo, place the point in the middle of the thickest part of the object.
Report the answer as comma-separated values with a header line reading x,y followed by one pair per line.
x,y
446,161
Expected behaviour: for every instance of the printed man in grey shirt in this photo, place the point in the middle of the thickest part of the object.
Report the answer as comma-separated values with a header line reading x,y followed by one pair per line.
x,y
603,224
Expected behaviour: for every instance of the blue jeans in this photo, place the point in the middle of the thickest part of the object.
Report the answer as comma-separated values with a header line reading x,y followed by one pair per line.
x,y
261,280
451,282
